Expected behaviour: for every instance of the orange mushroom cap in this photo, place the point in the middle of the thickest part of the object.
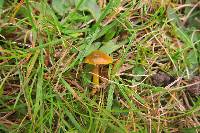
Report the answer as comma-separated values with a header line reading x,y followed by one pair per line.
x,y
98,57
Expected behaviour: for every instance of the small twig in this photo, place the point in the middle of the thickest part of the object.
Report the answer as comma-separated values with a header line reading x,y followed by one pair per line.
x,y
190,12
8,114
173,83
189,107
131,86
185,5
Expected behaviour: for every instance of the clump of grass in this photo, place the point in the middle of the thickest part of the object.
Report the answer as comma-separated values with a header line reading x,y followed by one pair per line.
x,y
45,86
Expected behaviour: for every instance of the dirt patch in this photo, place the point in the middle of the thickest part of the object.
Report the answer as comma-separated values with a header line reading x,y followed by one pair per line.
x,y
161,79
194,89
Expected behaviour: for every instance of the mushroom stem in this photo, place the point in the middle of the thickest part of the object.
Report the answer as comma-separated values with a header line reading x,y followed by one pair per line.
x,y
95,72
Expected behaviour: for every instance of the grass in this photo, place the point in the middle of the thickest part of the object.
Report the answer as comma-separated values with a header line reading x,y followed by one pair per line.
x,y
45,86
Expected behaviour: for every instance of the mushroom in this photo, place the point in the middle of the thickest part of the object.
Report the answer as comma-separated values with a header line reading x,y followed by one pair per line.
x,y
97,58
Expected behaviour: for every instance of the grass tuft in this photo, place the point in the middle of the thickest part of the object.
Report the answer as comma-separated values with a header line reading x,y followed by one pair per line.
x,y
151,86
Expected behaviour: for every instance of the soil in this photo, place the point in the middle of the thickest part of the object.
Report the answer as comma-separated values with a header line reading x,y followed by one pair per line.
x,y
161,79
194,90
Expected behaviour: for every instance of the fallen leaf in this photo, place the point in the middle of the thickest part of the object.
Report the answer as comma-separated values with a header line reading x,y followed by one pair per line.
x,y
111,46
61,6
89,5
